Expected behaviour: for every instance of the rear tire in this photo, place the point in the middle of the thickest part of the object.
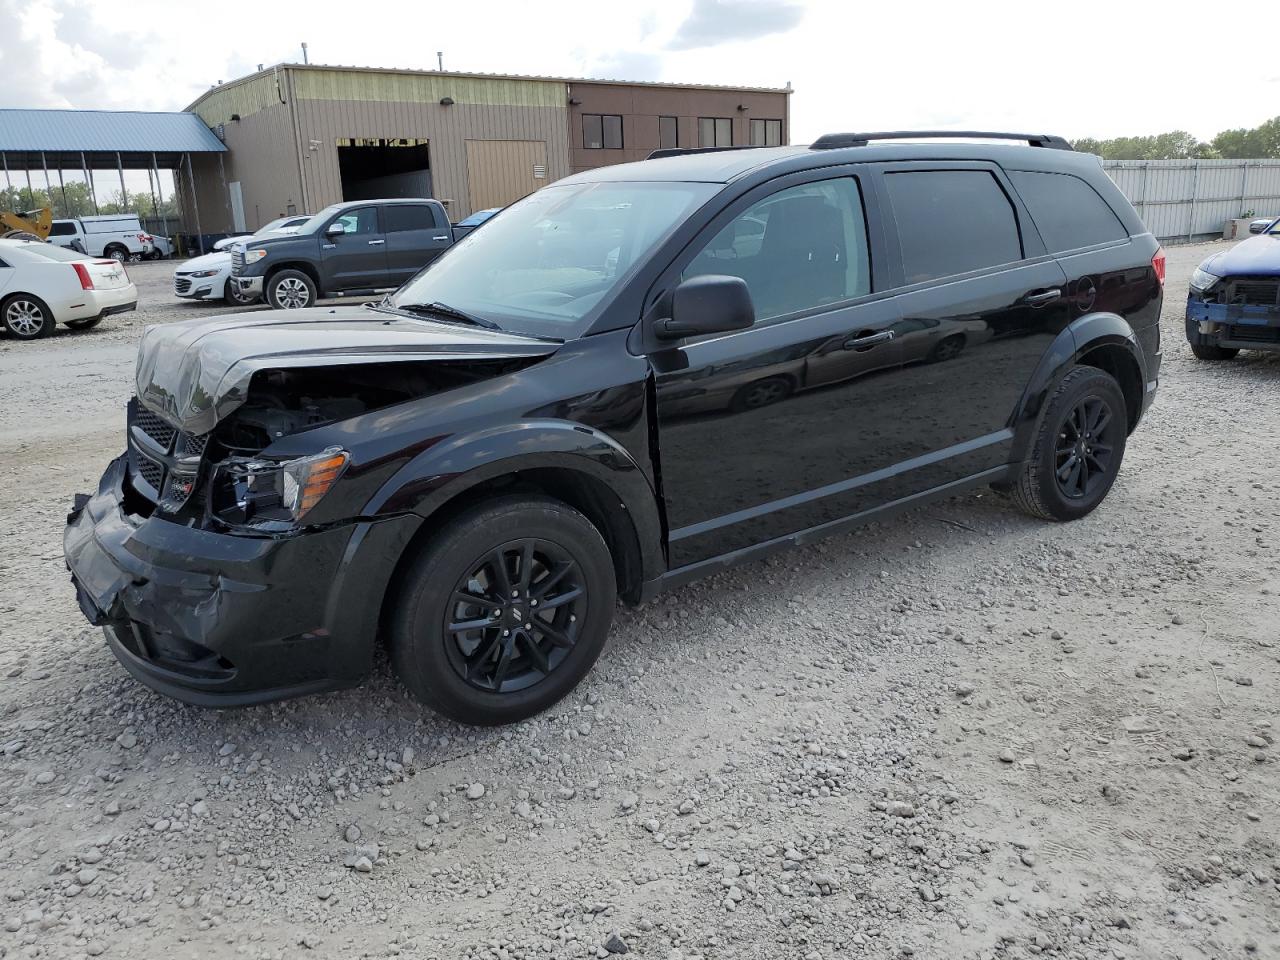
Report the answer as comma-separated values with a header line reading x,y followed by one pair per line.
x,y
291,290
1209,351
26,317
117,253
1078,449
498,659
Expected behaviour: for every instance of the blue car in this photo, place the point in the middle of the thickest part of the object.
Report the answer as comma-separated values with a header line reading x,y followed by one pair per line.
x,y
1233,303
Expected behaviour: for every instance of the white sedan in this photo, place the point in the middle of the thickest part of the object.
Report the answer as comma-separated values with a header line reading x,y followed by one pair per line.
x,y
209,277
42,285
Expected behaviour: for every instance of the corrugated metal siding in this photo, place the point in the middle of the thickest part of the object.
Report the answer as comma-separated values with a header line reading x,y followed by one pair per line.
x,y
425,88
1194,198
500,172
105,130
447,128
245,97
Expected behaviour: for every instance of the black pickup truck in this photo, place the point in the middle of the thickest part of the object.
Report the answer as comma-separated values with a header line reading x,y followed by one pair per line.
x,y
349,248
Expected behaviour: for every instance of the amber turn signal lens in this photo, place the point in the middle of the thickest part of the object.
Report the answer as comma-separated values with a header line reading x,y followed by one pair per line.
x,y
321,475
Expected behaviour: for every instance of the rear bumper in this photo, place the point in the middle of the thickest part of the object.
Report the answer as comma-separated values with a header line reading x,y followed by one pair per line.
x,y
103,303
1234,326
215,619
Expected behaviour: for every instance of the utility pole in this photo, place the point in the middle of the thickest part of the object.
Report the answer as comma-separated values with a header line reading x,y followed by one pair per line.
x,y
304,52
440,60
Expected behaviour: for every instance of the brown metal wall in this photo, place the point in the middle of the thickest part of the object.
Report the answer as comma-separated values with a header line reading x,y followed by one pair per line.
x,y
641,106
500,172
447,128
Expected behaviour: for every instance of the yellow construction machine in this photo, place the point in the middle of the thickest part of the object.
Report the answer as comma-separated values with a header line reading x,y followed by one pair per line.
x,y
32,225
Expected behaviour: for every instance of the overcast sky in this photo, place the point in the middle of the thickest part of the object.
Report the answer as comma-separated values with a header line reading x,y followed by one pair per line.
x,y
1077,68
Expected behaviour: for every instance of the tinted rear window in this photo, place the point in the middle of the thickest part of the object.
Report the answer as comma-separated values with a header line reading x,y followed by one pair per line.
x,y
1068,212
403,217
952,221
62,229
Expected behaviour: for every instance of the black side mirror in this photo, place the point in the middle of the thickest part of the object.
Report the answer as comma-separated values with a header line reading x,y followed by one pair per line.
x,y
707,304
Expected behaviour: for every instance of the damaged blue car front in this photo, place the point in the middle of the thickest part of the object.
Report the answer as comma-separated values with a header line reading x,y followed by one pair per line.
x,y
1233,302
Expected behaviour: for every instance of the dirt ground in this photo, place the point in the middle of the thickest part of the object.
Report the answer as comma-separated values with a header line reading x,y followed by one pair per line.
x,y
960,734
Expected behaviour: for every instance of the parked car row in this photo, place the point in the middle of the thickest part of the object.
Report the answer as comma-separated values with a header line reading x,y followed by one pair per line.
x,y
42,285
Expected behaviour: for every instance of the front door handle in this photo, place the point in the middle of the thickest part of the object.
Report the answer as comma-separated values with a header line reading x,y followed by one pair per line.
x,y
868,340
441,237
374,243
1042,298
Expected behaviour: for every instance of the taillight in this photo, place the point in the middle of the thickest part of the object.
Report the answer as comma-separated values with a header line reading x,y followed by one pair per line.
x,y
86,281
1157,264
143,238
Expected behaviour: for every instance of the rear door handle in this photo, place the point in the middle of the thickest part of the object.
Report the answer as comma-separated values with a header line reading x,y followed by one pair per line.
x,y
374,243
441,237
870,340
1042,298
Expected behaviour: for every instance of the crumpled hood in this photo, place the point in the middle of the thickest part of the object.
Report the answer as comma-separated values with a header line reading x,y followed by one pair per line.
x,y
1256,257
210,261
195,372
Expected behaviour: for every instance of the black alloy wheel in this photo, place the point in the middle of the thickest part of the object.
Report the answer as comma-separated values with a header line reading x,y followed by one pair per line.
x,y
503,610
1078,447
514,618
1082,458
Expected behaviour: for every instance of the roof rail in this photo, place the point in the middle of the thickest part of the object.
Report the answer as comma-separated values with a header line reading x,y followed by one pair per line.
x,y
833,141
685,151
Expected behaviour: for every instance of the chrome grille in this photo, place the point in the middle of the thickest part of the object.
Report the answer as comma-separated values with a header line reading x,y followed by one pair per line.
x,y
237,261
181,284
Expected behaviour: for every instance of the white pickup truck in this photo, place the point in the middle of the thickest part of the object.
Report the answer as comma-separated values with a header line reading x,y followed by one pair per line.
x,y
118,236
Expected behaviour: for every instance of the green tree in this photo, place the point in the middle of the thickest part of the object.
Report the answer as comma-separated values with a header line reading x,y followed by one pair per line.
x,y
1255,143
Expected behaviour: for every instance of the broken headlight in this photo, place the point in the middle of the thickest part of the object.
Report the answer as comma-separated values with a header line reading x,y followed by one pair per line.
x,y
273,494
1202,279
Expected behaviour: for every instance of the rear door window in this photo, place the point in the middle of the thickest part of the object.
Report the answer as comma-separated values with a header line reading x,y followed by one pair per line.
x,y
1067,211
402,217
952,221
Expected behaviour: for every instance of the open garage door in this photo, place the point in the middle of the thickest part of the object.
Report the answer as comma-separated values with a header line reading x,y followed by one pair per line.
x,y
374,169
500,172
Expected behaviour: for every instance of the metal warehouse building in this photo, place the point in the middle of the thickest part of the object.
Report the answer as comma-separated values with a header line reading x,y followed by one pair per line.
x,y
300,137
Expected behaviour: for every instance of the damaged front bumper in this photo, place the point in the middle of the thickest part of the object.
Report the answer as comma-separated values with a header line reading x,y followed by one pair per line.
x,y
1233,325
216,619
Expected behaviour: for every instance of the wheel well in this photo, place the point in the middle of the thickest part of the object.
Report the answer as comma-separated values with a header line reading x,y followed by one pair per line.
x,y
1119,362
301,266
589,496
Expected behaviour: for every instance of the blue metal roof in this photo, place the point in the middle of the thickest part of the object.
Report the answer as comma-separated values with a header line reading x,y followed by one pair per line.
x,y
105,130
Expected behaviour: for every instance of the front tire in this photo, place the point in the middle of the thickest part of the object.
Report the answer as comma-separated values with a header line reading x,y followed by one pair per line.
x,y
1078,447
504,611
1210,351
26,317
291,290
231,294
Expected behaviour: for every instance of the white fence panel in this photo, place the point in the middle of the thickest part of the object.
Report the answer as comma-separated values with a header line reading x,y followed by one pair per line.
x,y
1192,199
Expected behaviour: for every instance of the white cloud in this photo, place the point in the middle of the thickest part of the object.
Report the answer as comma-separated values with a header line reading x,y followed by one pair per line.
x,y
713,22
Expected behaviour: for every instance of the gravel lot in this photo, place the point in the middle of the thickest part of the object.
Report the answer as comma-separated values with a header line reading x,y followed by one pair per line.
x,y
959,734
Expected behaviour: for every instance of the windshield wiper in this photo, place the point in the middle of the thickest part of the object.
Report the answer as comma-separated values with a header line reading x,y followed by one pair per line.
x,y
437,309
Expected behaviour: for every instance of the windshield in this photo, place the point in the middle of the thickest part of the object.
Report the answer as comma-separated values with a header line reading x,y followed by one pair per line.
x,y
551,259
1274,228
277,224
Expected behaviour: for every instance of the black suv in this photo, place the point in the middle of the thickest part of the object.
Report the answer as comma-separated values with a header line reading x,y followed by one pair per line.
x,y
632,378
346,249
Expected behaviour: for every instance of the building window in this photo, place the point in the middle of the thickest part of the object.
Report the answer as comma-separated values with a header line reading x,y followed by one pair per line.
x,y
601,132
766,133
668,133
715,132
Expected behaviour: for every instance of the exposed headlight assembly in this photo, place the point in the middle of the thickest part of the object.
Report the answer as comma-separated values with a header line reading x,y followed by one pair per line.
x,y
1202,279
273,495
